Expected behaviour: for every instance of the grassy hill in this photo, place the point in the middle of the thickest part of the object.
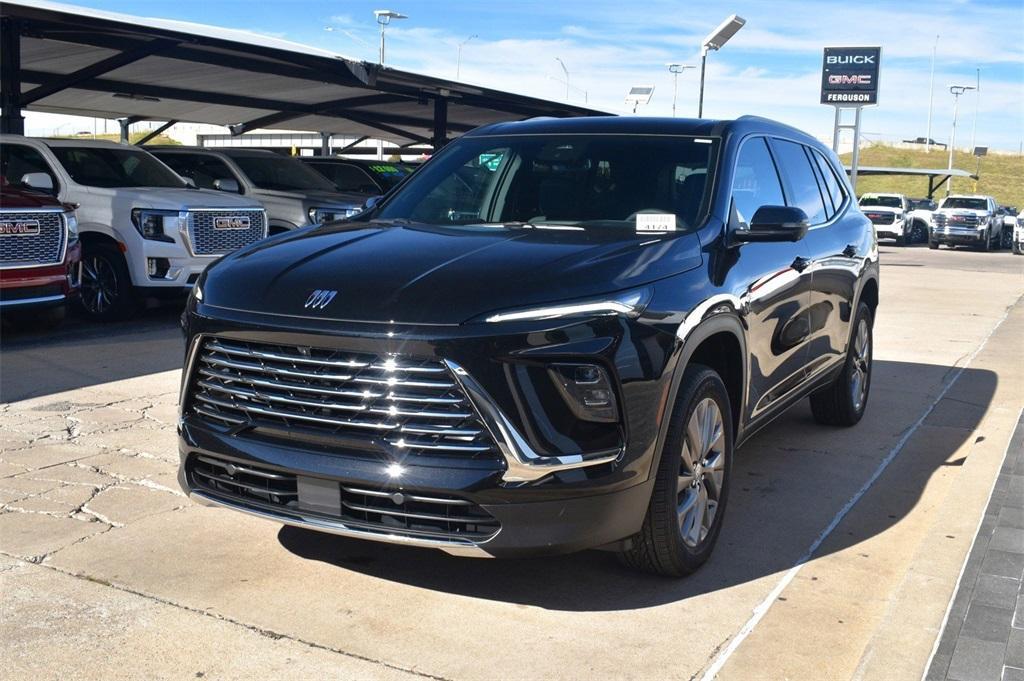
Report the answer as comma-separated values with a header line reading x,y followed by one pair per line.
x,y
116,137
1001,176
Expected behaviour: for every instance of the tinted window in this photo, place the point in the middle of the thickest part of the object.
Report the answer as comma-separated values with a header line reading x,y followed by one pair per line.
x,y
282,173
390,174
586,181
883,201
202,169
801,183
346,177
18,160
833,187
103,167
964,202
756,182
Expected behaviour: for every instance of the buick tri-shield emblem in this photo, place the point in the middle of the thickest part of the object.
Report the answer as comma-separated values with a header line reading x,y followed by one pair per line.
x,y
231,222
319,299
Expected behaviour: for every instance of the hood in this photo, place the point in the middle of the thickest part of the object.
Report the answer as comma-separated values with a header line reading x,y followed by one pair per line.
x,y
962,211
12,198
316,198
880,209
439,275
166,198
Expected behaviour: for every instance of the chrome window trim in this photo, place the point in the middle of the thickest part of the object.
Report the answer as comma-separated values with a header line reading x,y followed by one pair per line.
x,y
64,240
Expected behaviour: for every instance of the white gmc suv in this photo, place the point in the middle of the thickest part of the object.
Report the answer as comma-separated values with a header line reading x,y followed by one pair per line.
x,y
144,230
893,218
968,220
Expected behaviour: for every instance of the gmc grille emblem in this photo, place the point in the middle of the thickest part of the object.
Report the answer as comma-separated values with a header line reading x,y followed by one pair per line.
x,y
19,227
231,222
319,299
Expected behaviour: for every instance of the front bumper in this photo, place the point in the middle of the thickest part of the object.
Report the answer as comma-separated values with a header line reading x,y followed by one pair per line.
x,y
44,286
961,237
545,501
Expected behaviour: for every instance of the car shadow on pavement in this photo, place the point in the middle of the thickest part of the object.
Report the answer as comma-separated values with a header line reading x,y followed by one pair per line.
x,y
80,353
789,483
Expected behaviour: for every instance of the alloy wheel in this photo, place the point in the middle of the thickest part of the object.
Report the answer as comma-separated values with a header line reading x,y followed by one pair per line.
x,y
701,472
861,365
99,284
918,234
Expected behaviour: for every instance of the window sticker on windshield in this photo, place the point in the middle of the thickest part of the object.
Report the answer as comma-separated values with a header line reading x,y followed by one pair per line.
x,y
656,222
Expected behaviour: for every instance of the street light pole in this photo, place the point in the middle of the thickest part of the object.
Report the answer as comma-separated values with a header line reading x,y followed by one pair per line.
x,y
384,17
931,97
675,70
566,71
714,41
458,64
977,103
956,91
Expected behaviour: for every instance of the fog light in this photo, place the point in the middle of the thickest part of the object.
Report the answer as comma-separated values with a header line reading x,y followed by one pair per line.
x,y
157,268
587,390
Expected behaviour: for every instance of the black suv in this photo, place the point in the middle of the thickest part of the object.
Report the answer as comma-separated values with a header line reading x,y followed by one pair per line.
x,y
552,337
360,176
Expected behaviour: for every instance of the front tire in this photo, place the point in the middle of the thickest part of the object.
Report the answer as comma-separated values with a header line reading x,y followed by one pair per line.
x,y
918,232
842,403
107,294
684,517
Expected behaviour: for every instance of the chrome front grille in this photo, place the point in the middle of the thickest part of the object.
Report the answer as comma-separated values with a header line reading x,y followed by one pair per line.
x,y
392,512
409,405
31,238
216,232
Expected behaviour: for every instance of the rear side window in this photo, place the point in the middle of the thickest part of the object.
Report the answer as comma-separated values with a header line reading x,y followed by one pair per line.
x,y
833,188
346,177
202,169
801,184
756,182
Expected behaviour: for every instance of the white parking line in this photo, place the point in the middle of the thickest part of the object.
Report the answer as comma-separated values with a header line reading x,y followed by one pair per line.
x,y
762,608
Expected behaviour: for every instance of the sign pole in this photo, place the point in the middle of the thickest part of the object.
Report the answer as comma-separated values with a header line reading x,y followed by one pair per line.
x,y
855,161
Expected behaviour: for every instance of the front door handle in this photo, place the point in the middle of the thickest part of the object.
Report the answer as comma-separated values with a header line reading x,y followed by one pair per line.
x,y
800,264
850,251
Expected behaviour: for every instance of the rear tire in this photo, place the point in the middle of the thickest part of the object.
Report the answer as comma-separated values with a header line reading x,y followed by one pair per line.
x,y
987,246
842,403
107,292
684,517
1016,249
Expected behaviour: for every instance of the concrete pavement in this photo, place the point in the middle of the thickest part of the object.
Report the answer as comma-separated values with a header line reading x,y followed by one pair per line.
x,y
839,556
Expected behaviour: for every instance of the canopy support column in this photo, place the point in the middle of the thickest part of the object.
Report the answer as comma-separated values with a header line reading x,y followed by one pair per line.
x,y
11,120
440,136
325,143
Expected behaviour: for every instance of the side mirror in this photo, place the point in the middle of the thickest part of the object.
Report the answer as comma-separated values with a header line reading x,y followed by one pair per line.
x,y
226,185
40,181
371,202
775,223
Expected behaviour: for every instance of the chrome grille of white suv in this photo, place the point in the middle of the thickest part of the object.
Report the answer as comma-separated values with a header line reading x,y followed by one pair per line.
x,y
216,232
413,405
31,238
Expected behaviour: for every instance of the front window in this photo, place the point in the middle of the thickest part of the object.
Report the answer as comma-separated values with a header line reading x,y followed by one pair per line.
x,y
965,202
882,201
580,181
281,173
104,167
390,174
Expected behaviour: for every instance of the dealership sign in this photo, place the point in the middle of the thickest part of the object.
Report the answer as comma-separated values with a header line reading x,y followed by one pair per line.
x,y
849,75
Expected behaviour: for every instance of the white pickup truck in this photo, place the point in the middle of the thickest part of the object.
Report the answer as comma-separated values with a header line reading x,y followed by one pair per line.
x,y
894,218
967,220
144,230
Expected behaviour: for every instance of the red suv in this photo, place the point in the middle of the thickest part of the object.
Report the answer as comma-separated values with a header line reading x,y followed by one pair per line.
x,y
40,257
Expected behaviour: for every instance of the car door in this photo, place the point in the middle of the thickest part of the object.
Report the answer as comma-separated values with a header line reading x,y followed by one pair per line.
x,y
837,246
770,279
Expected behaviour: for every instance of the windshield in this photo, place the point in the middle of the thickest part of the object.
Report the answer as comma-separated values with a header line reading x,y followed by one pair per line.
x,y
887,201
102,167
389,174
964,202
573,180
282,173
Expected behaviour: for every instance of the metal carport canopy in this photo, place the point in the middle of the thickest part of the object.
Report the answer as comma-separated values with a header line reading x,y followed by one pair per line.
x,y
71,60
931,173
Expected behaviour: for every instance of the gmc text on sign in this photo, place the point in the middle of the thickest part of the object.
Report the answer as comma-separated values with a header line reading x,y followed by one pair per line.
x,y
849,75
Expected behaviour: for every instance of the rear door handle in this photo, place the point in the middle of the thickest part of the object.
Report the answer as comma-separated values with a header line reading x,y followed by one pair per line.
x,y
800,264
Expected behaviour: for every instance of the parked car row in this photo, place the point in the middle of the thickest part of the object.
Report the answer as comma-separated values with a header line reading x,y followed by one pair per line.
x,y
149,222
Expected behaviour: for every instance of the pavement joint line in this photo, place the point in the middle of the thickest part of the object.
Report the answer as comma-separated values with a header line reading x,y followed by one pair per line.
x,y
765,605
970,549
268,633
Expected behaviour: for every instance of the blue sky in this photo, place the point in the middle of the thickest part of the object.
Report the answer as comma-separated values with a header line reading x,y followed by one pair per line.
x,y
771,67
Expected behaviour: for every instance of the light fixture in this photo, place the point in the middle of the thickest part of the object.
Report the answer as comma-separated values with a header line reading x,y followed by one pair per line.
x,y
714,41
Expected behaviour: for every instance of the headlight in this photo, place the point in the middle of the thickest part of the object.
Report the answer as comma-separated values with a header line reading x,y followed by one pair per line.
x,y
587,390
150,223
629,304
72,222
319,216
